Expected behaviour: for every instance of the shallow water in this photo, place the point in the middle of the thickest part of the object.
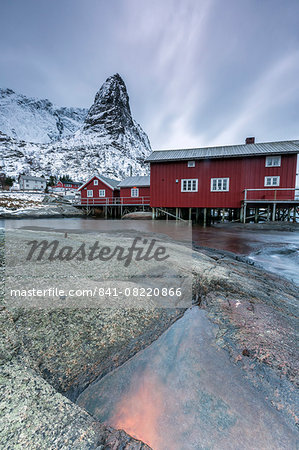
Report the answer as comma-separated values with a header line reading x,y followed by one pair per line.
x,y
183,392
276,251
172,229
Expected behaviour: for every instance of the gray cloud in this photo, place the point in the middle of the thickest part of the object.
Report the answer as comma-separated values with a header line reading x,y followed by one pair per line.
x,y
199,72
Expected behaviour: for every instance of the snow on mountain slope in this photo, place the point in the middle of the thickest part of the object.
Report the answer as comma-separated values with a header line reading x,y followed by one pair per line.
x,y
34,120
109,142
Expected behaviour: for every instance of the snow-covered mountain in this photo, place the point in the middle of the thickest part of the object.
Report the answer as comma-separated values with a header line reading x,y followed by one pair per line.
x,y
33,120
109,141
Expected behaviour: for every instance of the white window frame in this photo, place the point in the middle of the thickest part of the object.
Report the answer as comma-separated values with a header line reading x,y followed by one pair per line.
x,y
90,193
219,189
95,182
135,192
191,164
271,178
269,161
102,193
189,185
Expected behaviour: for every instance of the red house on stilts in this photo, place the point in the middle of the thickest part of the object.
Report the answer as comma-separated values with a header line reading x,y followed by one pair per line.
x,y
235,178
99,190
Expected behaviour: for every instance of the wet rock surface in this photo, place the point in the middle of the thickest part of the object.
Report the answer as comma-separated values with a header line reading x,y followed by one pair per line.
x,y
65,350
71,348
183,392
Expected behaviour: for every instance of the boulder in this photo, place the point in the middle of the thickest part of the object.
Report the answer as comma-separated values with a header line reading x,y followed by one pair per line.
x,y
138,215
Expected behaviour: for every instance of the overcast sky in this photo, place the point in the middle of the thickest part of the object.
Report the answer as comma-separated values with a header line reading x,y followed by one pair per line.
x,y
198,72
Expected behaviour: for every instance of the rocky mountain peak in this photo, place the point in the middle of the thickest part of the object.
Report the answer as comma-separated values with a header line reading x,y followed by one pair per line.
x,y
41,139
111,108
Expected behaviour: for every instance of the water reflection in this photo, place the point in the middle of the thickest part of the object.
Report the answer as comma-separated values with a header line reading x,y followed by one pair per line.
x,y
183,392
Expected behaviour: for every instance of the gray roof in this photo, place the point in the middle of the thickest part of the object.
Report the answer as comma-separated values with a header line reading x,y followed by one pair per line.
x,y
111,181
228,151
31,178
76,183
135,181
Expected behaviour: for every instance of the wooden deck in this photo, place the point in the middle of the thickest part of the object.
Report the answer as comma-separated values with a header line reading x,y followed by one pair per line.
x,y
113,201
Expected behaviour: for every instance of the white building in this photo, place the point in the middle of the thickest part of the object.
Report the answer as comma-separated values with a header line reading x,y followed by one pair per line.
x,y
29,183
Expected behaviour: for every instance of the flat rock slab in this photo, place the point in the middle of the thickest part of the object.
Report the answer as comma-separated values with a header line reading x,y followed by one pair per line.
x,y
184,392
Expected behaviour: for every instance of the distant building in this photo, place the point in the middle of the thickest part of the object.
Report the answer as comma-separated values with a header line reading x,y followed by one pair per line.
x,y
30,183
64,186
100,190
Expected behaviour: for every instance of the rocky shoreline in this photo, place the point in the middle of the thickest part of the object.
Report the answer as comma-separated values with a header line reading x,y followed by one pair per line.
x,y
48,357
50,211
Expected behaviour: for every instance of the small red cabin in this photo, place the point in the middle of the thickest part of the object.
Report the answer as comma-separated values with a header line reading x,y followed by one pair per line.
x,y
67,185
99,190
135,190
224,177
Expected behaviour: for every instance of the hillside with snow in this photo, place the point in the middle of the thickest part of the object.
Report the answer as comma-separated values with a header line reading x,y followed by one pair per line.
x,y
105,139
39,121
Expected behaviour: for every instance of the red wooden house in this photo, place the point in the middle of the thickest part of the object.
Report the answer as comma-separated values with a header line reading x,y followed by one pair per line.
x,y
62,186
135,190
99,190
224,177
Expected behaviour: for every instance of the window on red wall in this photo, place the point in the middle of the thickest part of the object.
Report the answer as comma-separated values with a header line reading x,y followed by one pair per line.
x,y
189,185
89,193
272,181
102,193
134,192
219,184
273,161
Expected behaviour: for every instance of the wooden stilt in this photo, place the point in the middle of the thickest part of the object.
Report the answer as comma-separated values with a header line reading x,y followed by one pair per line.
x,y
274,212
190,214
153,214
205,217
256,215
